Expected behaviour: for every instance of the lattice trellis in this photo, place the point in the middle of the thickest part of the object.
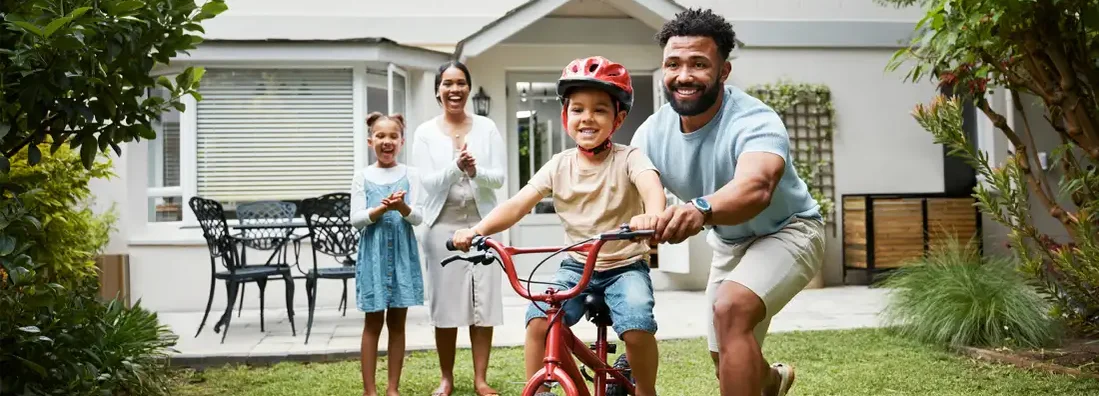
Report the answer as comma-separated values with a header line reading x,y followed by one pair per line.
x,y
810,121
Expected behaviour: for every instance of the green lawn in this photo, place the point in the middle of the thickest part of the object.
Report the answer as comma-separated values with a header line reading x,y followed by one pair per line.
x,y
858,362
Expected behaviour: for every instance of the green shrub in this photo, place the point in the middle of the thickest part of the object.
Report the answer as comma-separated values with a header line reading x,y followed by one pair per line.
x,y
954,296
61,342
57,338
56,192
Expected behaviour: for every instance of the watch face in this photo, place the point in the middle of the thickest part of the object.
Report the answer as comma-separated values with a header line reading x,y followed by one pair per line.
x,y
701,204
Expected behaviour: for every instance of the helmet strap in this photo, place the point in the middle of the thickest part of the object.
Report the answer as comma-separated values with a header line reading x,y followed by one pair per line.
x,y
596,150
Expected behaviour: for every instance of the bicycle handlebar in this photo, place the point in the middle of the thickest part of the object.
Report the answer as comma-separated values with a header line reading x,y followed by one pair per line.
x,y
487,245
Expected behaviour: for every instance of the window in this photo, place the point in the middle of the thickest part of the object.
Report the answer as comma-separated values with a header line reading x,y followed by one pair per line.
x,y
541,133
386,92
267,134
165,193
274,134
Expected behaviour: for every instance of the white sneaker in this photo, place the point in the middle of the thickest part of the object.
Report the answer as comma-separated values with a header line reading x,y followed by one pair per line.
x,y
787,375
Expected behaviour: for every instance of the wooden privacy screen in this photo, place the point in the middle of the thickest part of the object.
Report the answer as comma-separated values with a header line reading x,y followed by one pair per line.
x,y
888,231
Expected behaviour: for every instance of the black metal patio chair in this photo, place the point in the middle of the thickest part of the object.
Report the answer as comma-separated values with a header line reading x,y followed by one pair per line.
x,y
328,218
277,215
223,245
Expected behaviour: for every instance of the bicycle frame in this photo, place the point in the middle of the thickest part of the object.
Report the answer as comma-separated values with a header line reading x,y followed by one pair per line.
x,y
561,343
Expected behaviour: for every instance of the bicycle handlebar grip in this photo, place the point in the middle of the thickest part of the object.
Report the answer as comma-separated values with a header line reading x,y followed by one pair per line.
x,y
450,245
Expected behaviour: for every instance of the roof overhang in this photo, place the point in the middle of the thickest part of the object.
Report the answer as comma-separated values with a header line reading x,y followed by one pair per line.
x,y
370,49
650,12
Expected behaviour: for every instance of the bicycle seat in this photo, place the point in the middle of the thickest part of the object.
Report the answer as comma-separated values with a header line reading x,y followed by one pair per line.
x,y
596,310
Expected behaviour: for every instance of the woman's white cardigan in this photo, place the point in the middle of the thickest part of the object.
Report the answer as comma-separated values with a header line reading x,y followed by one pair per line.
x,y
434,156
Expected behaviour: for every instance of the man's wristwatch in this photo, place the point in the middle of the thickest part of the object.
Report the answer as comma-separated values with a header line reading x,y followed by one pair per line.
x,y
703,206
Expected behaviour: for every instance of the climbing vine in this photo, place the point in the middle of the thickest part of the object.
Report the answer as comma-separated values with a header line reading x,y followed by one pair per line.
x,y
807,112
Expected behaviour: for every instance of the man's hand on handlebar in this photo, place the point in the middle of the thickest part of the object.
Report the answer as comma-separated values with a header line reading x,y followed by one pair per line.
x,y
463,238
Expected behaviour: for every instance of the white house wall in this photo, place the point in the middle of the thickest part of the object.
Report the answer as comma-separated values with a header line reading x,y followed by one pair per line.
x,y
877,146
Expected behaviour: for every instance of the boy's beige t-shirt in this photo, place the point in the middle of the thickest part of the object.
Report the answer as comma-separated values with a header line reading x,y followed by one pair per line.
x,y
591,200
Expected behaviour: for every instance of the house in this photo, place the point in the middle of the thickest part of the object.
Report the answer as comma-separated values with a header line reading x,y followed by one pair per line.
x,y
354,57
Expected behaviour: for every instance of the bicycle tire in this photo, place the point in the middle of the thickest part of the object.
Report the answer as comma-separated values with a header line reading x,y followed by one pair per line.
x,y
620,364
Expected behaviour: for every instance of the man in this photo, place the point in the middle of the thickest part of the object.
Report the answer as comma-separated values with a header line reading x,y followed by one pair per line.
x,y
728,154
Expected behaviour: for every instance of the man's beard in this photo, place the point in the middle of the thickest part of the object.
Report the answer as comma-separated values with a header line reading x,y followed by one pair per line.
x,y
692,107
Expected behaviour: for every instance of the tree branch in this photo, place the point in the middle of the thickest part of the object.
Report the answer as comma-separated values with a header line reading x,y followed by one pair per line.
x,y
19,146
1083,129
1021,158
1043,181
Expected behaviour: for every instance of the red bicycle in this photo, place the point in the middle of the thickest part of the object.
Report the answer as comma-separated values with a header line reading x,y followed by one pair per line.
x,y
561,343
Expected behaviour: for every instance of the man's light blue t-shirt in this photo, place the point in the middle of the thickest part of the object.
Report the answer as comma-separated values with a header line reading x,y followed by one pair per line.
x,y
701,162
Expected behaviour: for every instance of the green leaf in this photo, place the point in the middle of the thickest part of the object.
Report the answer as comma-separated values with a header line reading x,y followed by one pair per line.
x,y
57,143
67,43
79,12
33,366
198,73
117,150
30,329
124,7
56,24
7,245
179,106
211,9
104,139
184,79
87,151
4,128
34,155
194,27
5,164
29,27
145,132
165,82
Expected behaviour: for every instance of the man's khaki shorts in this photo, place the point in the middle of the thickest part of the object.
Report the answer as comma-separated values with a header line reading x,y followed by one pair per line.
x,y
775,267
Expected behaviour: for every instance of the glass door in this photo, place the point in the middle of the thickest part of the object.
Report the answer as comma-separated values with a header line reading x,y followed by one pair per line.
x,y
537,125
398,102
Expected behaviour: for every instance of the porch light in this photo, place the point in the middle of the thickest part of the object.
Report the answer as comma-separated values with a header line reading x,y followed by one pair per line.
x,y
481,102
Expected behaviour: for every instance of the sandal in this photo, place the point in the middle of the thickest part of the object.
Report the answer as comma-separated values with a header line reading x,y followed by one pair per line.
x,y
787,375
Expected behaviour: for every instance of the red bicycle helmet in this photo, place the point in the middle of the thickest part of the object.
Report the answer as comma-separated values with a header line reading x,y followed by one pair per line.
x,y
597,72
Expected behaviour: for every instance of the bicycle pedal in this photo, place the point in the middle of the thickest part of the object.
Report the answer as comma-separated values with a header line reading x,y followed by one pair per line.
x,y
611,348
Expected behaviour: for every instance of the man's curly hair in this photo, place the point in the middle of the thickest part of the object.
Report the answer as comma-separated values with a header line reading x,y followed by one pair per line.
x,y
702,23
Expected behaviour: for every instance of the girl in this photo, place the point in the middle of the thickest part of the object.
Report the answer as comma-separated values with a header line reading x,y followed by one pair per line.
x,y
387,275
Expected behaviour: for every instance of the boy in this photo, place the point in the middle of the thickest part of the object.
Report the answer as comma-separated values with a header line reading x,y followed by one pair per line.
x,y
596,187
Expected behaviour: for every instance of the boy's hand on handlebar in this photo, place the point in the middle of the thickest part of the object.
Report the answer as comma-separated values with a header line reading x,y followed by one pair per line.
x,y
644,222
463,238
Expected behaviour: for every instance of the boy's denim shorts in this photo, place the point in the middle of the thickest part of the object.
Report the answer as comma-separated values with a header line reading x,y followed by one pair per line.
x,y
627,290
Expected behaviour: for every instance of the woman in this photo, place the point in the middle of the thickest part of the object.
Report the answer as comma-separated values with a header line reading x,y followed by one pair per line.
x,y
462,162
